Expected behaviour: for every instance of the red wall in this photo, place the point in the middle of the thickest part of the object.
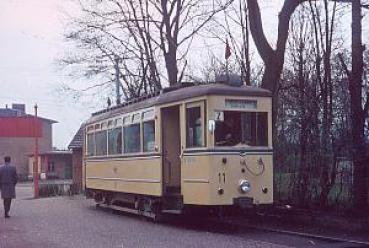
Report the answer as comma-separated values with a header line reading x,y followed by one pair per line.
x,y
20,127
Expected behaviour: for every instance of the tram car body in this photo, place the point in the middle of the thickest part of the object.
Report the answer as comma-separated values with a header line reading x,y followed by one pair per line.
x,y
206,146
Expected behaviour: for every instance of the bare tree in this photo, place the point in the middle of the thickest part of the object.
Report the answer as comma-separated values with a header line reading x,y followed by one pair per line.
x,y
109,31
235,17
145,35
273,58
359,110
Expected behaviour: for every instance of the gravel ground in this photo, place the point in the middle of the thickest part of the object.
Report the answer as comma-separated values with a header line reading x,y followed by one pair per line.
x,y
75,222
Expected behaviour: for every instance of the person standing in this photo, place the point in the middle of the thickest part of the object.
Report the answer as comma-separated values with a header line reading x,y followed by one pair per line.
x,y
8,180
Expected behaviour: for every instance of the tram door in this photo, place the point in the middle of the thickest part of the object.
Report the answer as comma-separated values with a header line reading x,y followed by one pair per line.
x,y
171,141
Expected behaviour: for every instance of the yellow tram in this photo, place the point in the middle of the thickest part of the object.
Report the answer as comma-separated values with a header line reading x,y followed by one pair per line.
x,y
200,145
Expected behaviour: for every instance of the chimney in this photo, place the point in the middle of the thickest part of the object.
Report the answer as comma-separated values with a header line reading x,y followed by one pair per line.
x,y
21,108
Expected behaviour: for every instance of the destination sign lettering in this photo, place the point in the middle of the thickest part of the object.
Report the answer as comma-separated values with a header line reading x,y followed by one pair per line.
x,y
241,104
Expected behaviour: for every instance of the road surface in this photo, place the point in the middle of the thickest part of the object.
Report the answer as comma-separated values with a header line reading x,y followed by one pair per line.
x,y
75,222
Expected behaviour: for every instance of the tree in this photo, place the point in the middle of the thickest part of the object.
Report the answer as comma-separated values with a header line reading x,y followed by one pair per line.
x,y
273,58
235,17
117,31
359,111
146,35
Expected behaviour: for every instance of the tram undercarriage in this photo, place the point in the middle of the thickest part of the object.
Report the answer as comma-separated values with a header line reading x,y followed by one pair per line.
x,y
155,207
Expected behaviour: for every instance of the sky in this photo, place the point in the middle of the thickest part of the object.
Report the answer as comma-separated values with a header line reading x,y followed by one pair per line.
x,y
31,41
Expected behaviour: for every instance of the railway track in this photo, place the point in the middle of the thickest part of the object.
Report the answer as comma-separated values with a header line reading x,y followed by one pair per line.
x,y
301,234
229,225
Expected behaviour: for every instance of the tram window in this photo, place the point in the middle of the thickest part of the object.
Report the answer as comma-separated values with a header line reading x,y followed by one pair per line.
x,y
148,115
90,144
132,138
127,120
90,128
242,128
136,118
104,125
149,136
101,143
110,123
194,127
115,141
118,122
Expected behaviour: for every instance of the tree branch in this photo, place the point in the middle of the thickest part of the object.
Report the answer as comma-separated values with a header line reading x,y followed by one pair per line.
x,y
366,106
344,65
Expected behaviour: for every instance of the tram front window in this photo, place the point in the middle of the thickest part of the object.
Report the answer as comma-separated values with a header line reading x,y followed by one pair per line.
x,y
242,129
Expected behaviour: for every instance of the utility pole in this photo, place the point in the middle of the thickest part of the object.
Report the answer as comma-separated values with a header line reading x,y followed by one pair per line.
x,y
246,39
117,80
35,155
247,53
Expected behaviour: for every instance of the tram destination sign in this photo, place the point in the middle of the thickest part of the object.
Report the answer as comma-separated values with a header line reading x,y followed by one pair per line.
x,y
241,104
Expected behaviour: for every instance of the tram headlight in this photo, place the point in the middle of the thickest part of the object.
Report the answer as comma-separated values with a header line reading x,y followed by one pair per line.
x,y
245,186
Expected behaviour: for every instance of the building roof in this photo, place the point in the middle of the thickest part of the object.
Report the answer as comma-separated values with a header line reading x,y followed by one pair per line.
x,y
177,95
43,119
7,112
19,110
53,152
77,141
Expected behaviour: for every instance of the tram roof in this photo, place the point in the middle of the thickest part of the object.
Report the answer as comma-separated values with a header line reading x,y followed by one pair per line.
x,y
178,94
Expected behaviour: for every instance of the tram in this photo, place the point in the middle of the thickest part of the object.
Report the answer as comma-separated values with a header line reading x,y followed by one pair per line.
x,y
205,146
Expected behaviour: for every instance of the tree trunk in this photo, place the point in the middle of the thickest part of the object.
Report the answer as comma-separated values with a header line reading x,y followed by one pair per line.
x,y
358,115
171,65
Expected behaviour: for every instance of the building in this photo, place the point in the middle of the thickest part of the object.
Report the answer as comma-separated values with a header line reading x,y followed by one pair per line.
x,y
56,164
76,146
17,136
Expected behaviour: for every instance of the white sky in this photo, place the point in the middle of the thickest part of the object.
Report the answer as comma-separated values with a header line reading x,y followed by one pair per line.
x,y
31,39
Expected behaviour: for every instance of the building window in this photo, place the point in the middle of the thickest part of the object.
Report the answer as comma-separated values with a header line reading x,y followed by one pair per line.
x,y
90,144
51,167
132,138
194,127
115,141
149,136
242,129
101,143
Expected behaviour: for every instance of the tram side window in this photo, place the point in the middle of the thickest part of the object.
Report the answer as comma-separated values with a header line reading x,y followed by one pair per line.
x,y
149,136
194,127
115,141
90,144
101,143
132,138
242,128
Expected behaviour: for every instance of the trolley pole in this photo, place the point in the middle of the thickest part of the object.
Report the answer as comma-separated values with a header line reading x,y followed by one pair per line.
x,y
35,155
117,80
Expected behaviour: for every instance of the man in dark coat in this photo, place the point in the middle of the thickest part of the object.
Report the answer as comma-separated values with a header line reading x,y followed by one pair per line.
x,y
8,180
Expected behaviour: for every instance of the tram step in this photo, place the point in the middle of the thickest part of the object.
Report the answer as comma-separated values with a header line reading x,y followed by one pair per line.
x,y
171,190
166,211
172,202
